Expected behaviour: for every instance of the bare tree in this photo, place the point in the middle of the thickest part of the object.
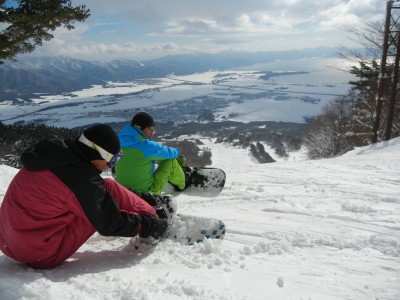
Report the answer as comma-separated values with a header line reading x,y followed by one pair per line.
x,y
369,38
330,134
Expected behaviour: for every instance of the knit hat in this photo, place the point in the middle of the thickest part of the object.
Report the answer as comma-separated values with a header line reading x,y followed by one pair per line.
x,y
142,120
101,135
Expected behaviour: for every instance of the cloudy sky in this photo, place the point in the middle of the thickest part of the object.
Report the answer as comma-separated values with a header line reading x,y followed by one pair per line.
x,y
148,29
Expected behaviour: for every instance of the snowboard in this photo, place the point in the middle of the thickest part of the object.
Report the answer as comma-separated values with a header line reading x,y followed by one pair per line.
x,y
207,180
188,229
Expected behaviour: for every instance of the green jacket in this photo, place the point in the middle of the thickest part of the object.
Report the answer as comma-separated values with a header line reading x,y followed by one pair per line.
x,y
136,167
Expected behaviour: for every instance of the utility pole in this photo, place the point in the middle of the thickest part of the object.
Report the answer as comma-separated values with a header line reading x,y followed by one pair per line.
x,y
395,16
390,47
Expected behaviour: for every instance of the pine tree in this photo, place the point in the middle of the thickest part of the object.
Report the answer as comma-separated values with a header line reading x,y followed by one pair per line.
x,y
365,65
30,21
346,122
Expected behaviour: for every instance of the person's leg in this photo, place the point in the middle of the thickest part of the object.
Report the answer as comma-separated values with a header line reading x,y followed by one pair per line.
x,y
168,171
126,199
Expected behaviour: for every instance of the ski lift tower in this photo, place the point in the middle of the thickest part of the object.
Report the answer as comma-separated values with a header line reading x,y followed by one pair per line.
x,y
391,49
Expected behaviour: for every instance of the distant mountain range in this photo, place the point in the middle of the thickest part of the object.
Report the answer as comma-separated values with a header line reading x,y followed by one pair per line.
x,y
57,75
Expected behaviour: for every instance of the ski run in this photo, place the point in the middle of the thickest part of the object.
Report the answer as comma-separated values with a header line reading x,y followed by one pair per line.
x,y
295,229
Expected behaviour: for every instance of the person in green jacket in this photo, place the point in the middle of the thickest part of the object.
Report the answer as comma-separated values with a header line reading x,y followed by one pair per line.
x,y
136,170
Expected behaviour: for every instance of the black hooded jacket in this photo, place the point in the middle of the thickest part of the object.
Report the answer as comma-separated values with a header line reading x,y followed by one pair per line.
x,y
68,163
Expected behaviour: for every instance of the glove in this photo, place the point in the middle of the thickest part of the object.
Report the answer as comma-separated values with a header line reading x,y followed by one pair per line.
x,y
152,226
181,160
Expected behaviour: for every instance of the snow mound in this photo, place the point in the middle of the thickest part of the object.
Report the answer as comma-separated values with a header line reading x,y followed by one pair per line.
x,y
377,149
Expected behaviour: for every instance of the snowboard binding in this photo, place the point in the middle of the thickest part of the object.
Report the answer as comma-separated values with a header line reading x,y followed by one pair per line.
x,y
165,208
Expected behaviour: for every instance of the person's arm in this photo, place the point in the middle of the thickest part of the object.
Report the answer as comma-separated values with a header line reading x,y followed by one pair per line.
x,y
155,151
99,206
112,221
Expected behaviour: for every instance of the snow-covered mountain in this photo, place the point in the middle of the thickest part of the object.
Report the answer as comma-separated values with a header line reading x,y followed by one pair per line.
x,y
56,75
296,229
273,92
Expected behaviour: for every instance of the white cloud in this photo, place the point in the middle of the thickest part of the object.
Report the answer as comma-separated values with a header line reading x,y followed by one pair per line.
x,y
107,51
144,29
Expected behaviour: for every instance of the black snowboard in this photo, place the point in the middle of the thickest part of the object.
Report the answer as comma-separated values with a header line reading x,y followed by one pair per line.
x,y
207,179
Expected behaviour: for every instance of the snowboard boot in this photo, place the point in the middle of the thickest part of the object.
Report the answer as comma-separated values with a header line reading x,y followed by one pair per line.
x,y
188,175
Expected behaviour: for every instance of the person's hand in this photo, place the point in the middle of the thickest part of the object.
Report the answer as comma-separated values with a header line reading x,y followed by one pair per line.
x,y
152,226
181,160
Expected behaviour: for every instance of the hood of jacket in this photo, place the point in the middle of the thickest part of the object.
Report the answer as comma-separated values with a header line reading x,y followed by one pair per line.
x,y
130,136
48,154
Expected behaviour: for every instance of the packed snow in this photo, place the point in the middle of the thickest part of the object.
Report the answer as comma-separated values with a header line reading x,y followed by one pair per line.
x,y
296,229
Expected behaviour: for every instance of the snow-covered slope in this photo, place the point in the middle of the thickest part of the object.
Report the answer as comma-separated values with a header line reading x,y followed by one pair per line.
x,y
326,229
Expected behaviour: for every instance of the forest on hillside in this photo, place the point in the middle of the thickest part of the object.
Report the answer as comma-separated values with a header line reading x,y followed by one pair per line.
x,y
282,137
